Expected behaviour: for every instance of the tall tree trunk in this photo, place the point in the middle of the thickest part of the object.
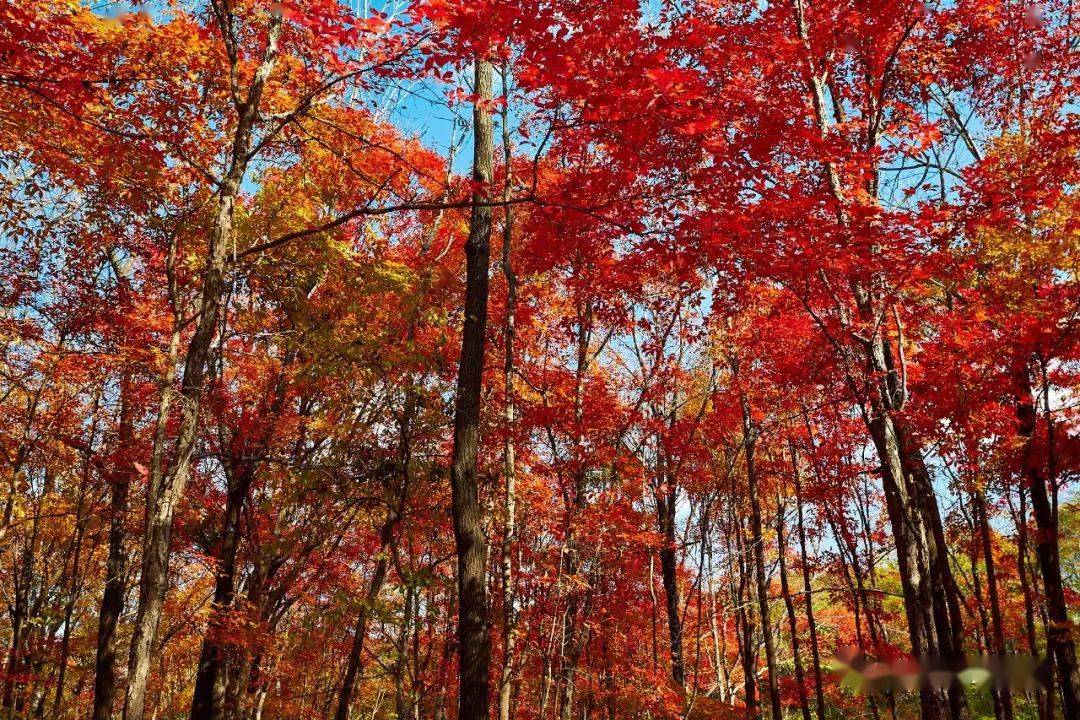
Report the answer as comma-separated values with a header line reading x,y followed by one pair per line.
x,y
1019,516
573,635
745,618
121,473
815,651
1059,640
355,663
242,466
474,644
931,598
401,702
758,550
1002,696
509,599
19,611
930,592
793,625
165,490
208,698
664,494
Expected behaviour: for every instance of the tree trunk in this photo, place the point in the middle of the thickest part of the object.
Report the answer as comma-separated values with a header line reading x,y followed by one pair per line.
x,y
19,611
165,489
506,674
793,625
1019,516
242,466
1059,640
401,702
815,651
573,636
112,600
664,494
930,593
474,644
758,549
745,620
356,651
208,698
1002,696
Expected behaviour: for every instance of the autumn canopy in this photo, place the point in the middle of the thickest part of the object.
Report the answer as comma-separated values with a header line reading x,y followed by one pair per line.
x,y
539,359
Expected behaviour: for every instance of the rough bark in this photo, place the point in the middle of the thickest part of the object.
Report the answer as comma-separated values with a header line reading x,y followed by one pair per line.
x,y
573,636
474,644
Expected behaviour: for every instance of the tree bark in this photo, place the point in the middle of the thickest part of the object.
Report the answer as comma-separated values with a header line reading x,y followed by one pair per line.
x,y
119,478
758,550
165,490
356,651
1002,696
665,496
1059,640
930,594
931,598
745,619
815,651
474,644
509,599
793,625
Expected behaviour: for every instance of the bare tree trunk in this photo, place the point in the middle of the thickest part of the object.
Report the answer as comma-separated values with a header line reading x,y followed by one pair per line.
x,y
474,644
242,466
19,610
400,701
1019,517
930,594
165,489
1059,641
506,674
1002,696
793,625
745,620
815,651
758,549
572,634
120,475
664,493
355,662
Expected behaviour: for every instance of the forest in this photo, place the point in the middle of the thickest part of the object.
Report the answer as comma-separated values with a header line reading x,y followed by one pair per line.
x,y
539,359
